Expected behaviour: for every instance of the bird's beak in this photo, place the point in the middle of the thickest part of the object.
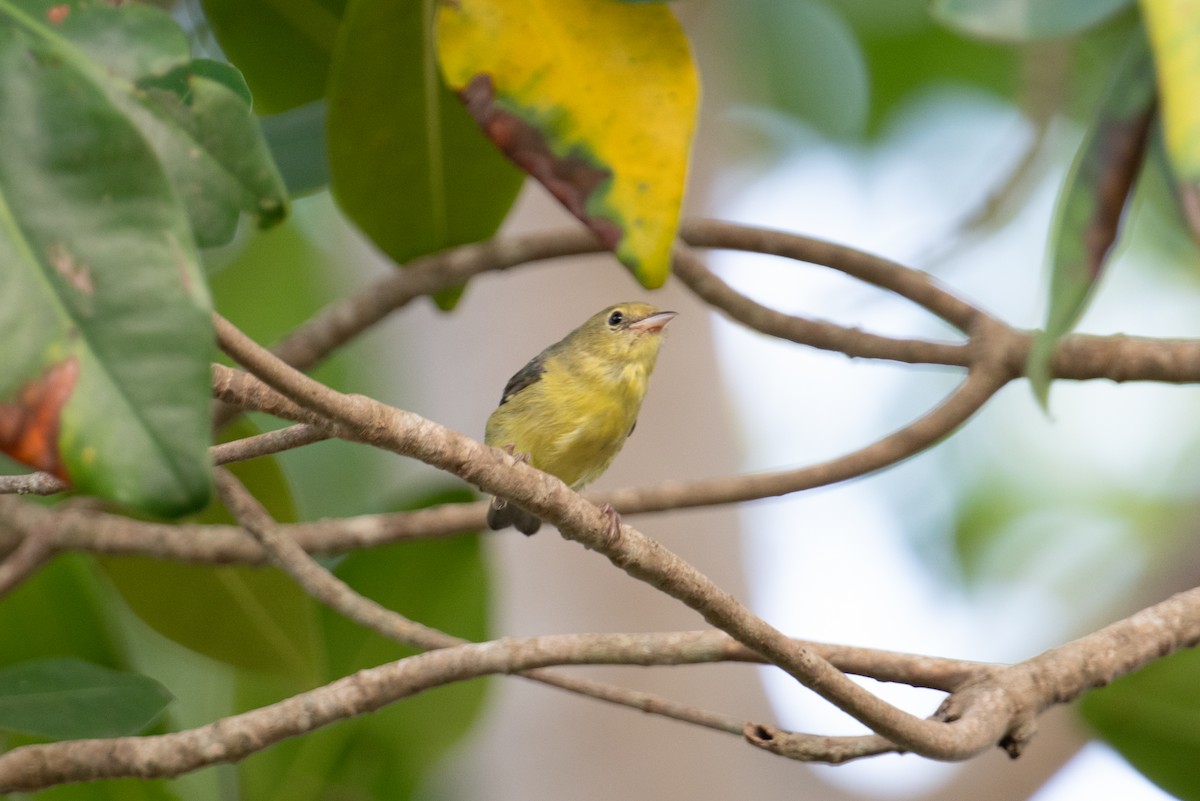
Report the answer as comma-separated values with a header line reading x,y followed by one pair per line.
x,y
654,323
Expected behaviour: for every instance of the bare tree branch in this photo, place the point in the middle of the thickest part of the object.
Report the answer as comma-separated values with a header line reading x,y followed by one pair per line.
x,y
36,767
1056,676
408,434
1080,357
814,333
36,483
831,750
267,443
920,288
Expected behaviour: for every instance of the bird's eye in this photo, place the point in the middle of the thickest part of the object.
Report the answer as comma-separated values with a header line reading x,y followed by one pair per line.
x,y
615,319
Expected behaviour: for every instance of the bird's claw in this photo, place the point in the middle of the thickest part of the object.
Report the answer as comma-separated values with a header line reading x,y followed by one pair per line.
x,y
510,449
614,524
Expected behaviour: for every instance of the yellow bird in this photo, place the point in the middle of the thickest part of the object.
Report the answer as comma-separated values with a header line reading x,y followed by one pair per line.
x,y
570,409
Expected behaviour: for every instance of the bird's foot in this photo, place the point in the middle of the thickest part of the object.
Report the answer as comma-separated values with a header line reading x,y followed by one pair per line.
x,y
614,524
517,457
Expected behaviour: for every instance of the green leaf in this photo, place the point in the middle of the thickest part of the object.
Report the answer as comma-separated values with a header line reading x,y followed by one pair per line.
x,y
64,699
59,611
200,122
62,611
946,59
1024,20
296,138
283,48
779,41
244,616
443,584
595,99
106,378
248,617
407,163
195,114
1093,200
1152,717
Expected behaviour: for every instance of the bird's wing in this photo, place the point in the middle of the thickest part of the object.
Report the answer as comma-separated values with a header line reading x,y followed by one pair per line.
x,y
529,374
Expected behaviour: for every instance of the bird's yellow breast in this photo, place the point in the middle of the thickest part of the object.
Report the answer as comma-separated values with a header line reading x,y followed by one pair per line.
x,y
574,420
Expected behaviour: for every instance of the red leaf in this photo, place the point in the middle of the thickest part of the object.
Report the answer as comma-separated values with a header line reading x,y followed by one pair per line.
x,y
29,427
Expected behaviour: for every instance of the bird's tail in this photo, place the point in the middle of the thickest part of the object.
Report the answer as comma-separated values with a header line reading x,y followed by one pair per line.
x,y
502,514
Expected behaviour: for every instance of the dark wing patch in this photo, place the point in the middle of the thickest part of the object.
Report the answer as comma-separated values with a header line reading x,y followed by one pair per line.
x,y
529,374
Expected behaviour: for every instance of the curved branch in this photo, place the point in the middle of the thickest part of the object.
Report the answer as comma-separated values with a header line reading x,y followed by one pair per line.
x,y
917,436
36,767
361,418
1056,676
830,750
814,333
914,285
1080,357
343,320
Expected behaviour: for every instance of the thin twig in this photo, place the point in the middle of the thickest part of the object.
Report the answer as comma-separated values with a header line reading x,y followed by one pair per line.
x,y
267,443
830,750
921,434
36,483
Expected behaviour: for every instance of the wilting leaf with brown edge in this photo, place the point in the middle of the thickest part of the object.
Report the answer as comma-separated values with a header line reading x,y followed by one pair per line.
x,y
595,99
1174,32
29,425
1092,202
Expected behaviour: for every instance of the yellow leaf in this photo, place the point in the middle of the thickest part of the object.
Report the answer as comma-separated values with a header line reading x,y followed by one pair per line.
x,y
1173,27
594,98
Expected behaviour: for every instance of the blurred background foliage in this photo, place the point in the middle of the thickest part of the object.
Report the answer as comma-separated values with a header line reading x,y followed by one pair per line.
x,y
1077,515
1099,518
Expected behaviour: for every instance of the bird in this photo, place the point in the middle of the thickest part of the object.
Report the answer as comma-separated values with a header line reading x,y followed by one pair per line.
x,y
569,410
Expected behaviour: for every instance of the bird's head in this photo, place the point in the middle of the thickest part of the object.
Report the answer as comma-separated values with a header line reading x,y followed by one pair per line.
x,y
626,332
